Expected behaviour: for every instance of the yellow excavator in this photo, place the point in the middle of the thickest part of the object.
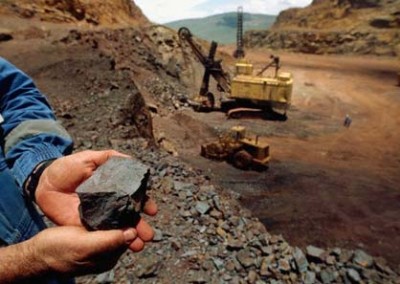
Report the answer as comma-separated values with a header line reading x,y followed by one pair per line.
x,y
245,94
244,152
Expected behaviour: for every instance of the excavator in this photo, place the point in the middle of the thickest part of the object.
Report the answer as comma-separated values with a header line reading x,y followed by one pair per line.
x,y
246,94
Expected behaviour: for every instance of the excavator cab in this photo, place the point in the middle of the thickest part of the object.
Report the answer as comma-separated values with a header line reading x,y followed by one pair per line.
x,y
243,67
238,132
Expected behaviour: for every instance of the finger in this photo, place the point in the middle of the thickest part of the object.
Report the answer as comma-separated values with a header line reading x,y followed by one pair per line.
x,y
137,245
150,207
100,157
130,235
110,241
144,230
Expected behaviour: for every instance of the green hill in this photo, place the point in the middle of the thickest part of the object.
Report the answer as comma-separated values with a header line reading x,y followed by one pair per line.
x,y
222,28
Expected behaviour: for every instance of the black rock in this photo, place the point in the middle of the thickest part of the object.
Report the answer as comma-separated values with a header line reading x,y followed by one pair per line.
x,y
107,210
115,195
5,36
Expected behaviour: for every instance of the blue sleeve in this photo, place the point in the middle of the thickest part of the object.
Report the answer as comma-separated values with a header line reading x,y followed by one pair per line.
x,y
31,133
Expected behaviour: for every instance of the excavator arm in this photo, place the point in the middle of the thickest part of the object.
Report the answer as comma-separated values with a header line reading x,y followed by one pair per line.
x,y
212,67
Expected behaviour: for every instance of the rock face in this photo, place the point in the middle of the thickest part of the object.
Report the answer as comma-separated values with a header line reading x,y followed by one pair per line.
x,y
328,42
78,11
336,26
340,14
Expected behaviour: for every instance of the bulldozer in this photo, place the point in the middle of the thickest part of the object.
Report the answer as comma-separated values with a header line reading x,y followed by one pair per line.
x,y
245,93
241,151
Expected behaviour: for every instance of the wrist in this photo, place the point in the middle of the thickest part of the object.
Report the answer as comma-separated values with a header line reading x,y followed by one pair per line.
x,y
22,263
33,180
35,256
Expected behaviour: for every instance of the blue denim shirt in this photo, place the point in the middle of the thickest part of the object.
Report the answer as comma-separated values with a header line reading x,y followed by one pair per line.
x,y
29,135
30,131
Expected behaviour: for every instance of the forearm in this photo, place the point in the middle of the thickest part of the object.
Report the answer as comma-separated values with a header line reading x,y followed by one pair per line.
x,y
20,262
31,132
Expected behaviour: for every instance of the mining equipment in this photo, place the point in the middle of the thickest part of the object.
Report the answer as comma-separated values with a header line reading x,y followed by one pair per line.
x,y
236,148
239,52
245,94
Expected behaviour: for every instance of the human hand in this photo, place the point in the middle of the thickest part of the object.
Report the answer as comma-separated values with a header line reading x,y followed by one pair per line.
x,y
74,251
56,196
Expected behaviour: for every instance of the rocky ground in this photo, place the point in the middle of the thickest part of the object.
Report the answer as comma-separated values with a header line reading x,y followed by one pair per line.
x,y
203,235
101,81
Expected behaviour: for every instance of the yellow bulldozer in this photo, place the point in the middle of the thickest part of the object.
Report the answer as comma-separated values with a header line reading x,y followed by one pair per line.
x,y
241,151
245,93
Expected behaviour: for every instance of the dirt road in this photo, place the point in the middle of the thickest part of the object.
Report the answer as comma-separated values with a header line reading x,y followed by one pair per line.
x,y
327,185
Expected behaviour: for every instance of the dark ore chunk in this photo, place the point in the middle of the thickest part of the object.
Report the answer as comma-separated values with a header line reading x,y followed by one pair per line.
x,y
114,196
107,210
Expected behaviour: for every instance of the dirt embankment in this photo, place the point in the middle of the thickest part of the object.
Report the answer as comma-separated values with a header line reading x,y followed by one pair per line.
x,y
335,27
82,12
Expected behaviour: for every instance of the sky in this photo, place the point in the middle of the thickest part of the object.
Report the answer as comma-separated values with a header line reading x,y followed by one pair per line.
x,y
164,11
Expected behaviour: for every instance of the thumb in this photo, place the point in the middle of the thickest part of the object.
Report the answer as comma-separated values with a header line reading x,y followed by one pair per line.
x,y
100,157
110,241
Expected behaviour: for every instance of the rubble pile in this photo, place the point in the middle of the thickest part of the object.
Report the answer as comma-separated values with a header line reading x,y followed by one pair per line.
x,y
203,235
155,51
123,72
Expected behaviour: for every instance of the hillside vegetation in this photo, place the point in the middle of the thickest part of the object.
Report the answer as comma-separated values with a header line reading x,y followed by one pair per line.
x,y
222,27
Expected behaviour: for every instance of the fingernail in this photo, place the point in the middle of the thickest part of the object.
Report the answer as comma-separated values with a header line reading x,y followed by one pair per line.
x,y
130,235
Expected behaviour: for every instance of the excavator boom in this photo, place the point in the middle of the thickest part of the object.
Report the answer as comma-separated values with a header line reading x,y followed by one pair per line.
x,y
239,52
212,67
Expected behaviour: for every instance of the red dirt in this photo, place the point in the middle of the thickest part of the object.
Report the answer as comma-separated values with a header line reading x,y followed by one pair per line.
x,y
327,185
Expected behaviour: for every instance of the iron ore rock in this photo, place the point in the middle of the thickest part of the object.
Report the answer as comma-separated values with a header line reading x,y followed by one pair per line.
x,y
115,195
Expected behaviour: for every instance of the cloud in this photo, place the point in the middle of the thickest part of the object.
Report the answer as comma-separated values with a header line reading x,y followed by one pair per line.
x,y
258,6
163,11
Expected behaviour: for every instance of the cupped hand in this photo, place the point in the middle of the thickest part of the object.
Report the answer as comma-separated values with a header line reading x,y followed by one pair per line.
x,y
56,196
73,251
